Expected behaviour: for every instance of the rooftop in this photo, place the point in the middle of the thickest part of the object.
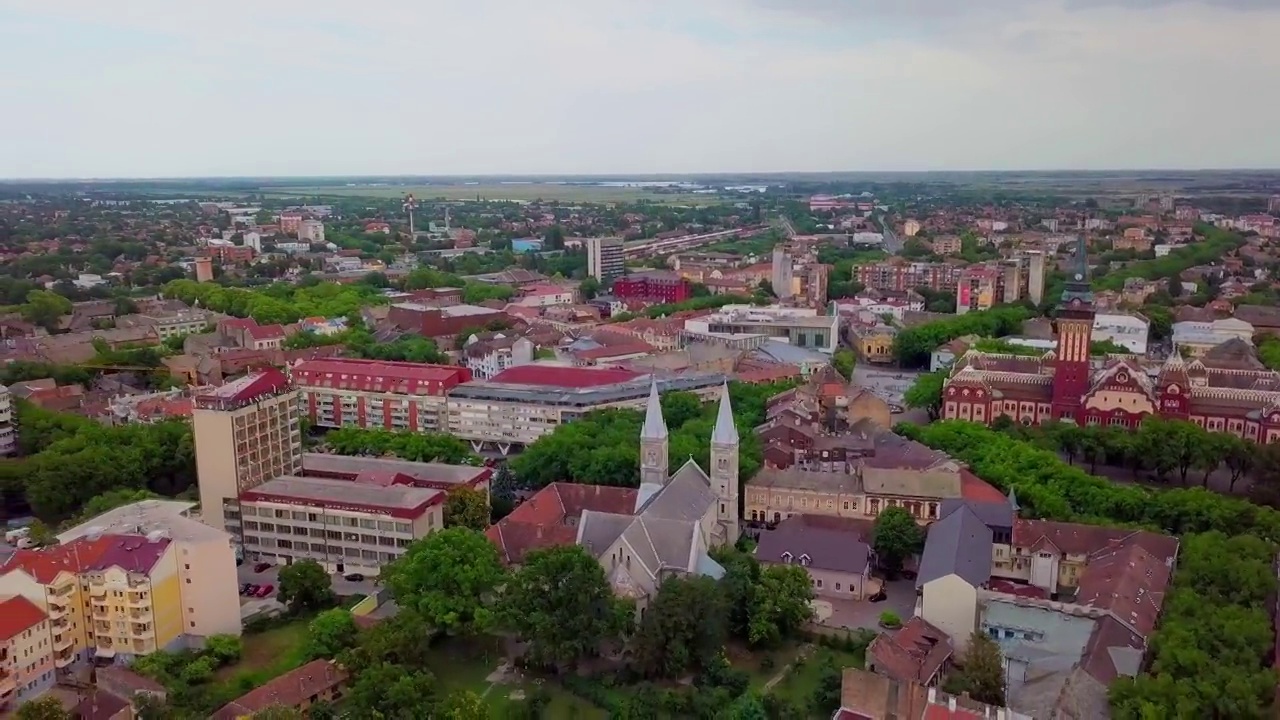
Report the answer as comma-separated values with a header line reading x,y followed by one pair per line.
x,y
243,390
378,375
355,468
289,690
402,501
565,377
18,614
147,516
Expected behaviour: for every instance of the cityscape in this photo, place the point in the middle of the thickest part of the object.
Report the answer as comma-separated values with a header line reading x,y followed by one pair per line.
x,y
818,360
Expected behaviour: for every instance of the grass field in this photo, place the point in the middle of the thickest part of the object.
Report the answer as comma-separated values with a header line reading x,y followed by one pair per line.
x,y
268,654
801,681
519,191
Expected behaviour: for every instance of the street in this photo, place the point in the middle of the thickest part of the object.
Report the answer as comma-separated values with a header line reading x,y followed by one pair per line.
x,y
892,243
341,586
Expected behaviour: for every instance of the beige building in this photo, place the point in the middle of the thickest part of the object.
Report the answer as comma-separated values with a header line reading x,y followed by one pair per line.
x,y
246,433
8,434
834,555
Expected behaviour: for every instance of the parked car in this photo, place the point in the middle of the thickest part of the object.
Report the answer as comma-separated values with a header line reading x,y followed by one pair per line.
x,y
249,590
353,577
266,590
879,597
262,566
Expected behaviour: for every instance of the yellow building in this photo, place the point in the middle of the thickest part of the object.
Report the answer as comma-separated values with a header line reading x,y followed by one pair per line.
x,y
876,344
26,652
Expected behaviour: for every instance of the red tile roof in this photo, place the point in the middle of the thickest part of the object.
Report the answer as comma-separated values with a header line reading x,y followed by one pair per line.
x,y
975,488
379,375
542,520
18,614
914,654
266,332
267,381
1128,581
132,553
570,377
290,690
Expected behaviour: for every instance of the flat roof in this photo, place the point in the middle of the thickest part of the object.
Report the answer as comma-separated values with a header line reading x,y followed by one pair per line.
x,y
380,368
146,516
562,376
427,472
403,501
583,397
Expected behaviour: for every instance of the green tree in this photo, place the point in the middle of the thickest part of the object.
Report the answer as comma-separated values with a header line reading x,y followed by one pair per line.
x,y
895,538
463,705
826,697
278,712
561,605
43,708
926,393
403,639
305,586
150,707
330,633
466,507
981,671
45,308
685,628
589,288
843,361
781,604
449,578
224,649
392,691
748,706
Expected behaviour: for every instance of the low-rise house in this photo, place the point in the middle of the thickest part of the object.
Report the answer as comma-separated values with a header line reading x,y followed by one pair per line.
x,y
837,558
317,681
917,653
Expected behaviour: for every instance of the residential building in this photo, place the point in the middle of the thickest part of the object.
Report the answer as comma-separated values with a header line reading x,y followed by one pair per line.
x,y
523,403
545,296
782,277
246,433
204,269
605,258
677,518
915,654
101,705
899,274
1035,276
837,558
802,327
653,286
879,303
866,695
290,221
175,324
1131,331
486,358
311,231
823,424
911,227
946,245
345,392
206,561
26,652
1225,389
438,322
298,689
8,434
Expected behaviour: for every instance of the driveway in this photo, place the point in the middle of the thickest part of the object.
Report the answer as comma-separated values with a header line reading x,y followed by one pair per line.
x,y
853,614
341,586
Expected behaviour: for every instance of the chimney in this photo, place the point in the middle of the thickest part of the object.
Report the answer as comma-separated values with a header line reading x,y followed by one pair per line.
x,y
933,695
951,703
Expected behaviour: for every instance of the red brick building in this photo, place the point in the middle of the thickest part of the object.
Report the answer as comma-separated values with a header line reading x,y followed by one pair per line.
x,y
230,253
659,286
898,274
434,322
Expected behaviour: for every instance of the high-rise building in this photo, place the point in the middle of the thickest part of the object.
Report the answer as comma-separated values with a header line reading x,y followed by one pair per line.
x,y
204,269
782,277
246,433
377,394
605,259
311,231
8,436
1035,276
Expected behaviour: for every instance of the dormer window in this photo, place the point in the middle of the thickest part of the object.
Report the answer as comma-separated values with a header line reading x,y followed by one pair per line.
x,y
787,557
805,560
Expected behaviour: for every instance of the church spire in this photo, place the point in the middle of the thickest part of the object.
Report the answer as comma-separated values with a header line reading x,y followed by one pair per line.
x,y
726,432
655,427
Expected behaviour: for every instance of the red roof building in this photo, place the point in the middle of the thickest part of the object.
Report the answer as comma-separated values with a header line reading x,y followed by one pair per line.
x,y
550,517
17,615
659,286
383,394
244,391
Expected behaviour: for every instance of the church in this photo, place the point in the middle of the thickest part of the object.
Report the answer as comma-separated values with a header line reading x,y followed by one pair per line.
x,y
678,518
1226,390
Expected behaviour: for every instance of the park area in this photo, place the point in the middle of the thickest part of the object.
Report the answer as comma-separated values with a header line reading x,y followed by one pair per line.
x,y
519,192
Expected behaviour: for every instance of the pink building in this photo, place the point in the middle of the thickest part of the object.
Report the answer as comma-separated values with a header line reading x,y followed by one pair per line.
x,y
26,652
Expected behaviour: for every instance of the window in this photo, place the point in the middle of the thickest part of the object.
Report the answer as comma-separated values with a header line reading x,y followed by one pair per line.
x,y
837,586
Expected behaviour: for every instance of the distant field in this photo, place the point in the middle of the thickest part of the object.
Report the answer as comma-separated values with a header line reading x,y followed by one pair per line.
x,y
523,192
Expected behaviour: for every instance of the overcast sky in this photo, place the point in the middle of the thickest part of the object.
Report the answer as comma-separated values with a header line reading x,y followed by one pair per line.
x,y
147,88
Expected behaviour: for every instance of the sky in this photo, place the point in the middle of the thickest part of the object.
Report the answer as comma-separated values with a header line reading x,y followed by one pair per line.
x,y
158,88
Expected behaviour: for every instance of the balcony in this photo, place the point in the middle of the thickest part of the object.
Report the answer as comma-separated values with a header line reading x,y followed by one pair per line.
x,y
145,615
142,647
138,600
100,611
97,590
62,641
63,659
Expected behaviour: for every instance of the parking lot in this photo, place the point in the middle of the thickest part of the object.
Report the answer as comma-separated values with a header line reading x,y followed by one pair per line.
x,y
341,586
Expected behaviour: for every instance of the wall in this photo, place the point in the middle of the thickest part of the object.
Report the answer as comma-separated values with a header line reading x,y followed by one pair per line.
x,y
951,605
210,603
32,652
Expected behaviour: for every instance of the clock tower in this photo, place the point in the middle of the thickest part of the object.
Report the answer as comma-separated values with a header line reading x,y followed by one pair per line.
x,y
1074,323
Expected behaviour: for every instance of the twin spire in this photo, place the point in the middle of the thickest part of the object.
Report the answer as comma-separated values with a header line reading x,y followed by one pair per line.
x,y
655,427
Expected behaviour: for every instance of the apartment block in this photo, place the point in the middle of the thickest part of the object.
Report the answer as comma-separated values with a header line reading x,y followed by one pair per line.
x,y
8,434
246,433
605,258
26,652
657,286
803,328
901,275
523,403
398,396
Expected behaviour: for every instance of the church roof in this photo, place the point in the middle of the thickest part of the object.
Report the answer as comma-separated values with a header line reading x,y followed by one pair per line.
x,y
726,433
655,427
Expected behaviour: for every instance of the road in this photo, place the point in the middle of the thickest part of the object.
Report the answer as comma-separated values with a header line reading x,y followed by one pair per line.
x,y
892,243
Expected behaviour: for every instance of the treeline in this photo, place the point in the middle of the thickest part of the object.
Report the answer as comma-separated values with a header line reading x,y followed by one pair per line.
x,y
1209,656
914,346
70,459
413,446
1216,244
282,303
603,448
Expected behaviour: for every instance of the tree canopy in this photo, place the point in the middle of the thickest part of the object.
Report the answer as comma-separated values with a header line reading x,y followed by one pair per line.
x,y
914,346
449,578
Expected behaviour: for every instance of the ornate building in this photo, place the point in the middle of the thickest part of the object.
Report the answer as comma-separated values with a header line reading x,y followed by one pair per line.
x,y
1226,390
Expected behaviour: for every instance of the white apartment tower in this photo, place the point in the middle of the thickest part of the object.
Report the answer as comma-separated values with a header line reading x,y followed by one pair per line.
x,y
782,279
605,259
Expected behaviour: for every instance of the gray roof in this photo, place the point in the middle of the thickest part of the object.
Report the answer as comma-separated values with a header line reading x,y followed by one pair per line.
x,y
992,514
827,548
686,496
801,479
655,427
726,433
345,493
958,544
579,397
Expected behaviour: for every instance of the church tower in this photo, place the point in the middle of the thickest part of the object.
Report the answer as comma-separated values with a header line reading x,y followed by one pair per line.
x,y
1072,375
653,442
724,468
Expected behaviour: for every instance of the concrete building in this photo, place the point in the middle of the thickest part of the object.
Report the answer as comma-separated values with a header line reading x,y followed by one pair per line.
x,y
1199,338
1035,276
8,433
246,433
521,404
804,328
438,322
204,269
174,324
26,652
1131,331
899,274
782,275
836,558
487,358
605,259
655,286
310,231
345,392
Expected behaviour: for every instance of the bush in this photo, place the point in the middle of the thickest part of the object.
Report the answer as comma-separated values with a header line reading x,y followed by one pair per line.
x,y
890,619
767,662
224,649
